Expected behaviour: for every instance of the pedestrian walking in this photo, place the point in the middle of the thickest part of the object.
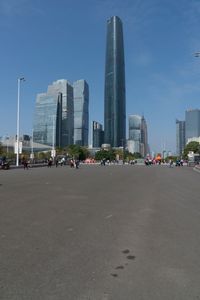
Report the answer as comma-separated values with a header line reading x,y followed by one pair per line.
x,y
77,163
56,162
72,163
50,162
25,163
171,163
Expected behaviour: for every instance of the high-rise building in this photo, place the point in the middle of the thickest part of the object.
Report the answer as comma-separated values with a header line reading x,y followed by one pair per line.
x,y
64,88
114,94
133,146
54,115
97,134
138,139
192,123
144,137
47,127
180,137
81,114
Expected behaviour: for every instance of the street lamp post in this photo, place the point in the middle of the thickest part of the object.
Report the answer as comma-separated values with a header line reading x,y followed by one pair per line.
x,y
7,137
53,152
18,101
53,135
32,152
122,140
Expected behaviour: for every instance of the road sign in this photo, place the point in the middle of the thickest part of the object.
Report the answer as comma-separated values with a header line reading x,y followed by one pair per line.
x,y
20,147
53,153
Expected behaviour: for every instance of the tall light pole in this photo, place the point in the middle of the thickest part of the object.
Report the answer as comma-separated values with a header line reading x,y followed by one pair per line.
x,y
53,135
7,137
32,152
18,101
53,153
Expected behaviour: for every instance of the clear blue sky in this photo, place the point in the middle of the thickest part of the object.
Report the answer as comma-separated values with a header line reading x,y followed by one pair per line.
x,y
49,40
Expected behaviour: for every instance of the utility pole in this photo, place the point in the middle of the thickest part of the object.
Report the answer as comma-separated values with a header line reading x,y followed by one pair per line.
x,y
18,106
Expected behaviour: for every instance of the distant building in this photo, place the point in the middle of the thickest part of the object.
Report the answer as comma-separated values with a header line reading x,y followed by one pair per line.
x,y
133,146
192,123
144,137
47,127
54,115
61,114
97,134
114,93
81,112
180,137
63,90
138,138
194,139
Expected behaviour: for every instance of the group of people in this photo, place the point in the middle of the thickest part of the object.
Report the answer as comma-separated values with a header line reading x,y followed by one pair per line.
x,y
74,163
178,163
60,162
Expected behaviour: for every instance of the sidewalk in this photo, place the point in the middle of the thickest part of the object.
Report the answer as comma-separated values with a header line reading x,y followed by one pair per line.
x,y
197,168
29,166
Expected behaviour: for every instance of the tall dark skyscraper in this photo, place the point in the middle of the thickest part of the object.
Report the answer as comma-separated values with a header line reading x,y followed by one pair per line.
x,y
192,123
114,94
180,137
81,114
97,134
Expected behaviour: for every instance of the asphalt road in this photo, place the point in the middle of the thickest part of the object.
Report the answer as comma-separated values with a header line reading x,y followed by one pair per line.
x,y
100,233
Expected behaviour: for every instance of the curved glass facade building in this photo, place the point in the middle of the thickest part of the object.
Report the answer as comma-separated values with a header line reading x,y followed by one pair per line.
x,y
138,139
54,115
114,93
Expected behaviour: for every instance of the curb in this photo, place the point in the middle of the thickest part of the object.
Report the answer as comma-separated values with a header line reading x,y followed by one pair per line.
x,y
196,169
29,166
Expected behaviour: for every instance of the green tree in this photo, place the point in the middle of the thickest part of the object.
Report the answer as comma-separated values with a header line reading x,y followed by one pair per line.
x,y
59,151
1,148
43,155
137,155
77,152
192,146
105,154
120,153
128,156
84,153
171,157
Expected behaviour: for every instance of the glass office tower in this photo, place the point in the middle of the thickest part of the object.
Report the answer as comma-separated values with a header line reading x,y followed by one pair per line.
x,y
65,89
81,114
114,93
47,127
97,134
57,105
138,138
144,137
192,123
180,137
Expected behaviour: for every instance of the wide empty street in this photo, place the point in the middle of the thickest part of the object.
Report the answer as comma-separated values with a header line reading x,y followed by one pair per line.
x,y
100,233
